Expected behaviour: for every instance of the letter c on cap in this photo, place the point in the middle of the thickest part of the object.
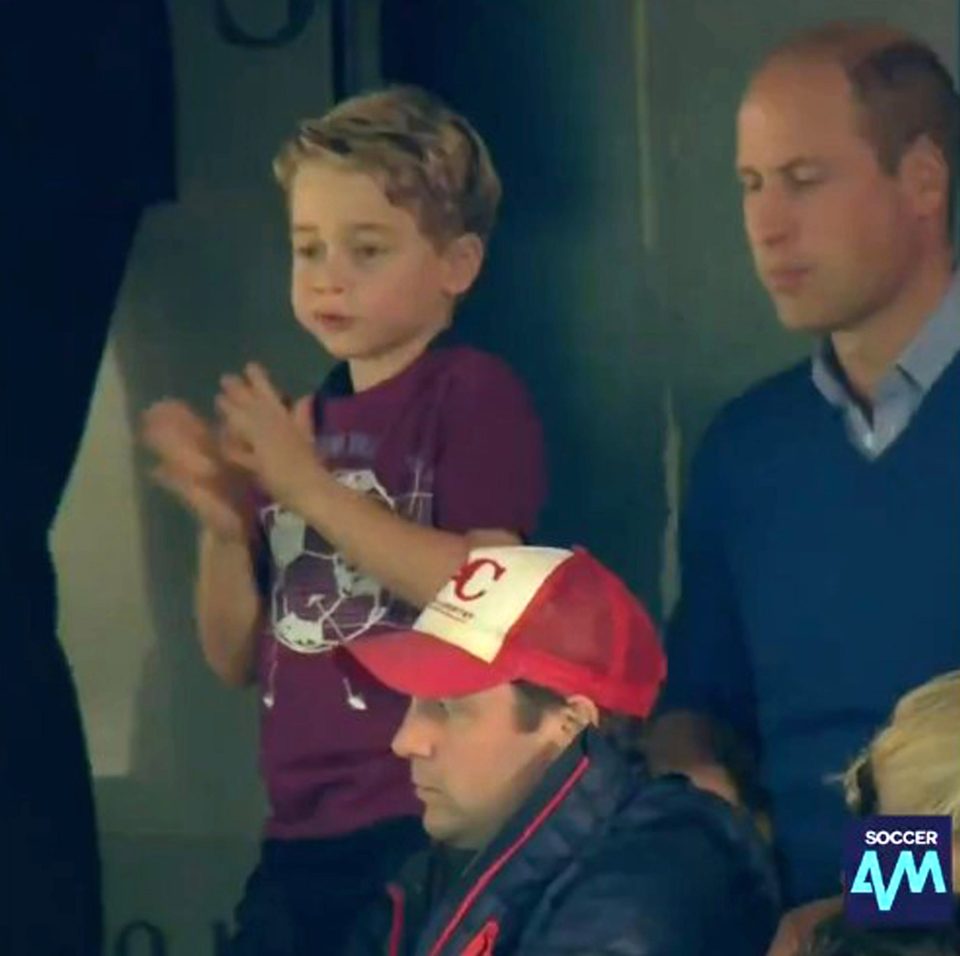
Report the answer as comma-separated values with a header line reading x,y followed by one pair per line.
x,y
466,574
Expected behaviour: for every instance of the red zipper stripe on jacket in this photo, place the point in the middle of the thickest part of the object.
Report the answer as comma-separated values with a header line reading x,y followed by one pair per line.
x,y
396,923
501,861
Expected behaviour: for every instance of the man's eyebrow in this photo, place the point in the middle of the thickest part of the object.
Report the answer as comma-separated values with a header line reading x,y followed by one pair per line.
x,y
800,161
370,227
789,167
785,169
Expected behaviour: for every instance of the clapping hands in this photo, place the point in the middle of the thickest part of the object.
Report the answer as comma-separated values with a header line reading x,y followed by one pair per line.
x,y
193,465
211,467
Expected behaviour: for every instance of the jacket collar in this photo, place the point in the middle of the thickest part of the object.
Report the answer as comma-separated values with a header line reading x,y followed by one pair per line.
x,y
576,797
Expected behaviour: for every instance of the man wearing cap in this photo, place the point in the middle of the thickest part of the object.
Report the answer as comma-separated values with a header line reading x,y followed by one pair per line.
x,y
548,837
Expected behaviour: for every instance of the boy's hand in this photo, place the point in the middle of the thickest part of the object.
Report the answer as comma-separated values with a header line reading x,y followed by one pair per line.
x,y
266,440
193,468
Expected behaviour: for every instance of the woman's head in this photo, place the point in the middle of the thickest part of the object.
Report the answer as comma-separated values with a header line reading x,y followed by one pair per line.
x,y
912,765
835,937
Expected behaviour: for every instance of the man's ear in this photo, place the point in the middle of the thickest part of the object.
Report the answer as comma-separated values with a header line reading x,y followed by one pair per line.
x,y
463,258
926,177
579,713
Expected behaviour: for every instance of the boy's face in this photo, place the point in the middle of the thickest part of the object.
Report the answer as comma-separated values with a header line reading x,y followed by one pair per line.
x,y
832,235
367,284
471,763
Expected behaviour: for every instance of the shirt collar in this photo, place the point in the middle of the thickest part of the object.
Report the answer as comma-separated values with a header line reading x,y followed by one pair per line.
x,y
921,363
938,342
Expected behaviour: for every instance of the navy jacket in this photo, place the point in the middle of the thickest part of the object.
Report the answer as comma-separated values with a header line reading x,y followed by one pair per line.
x,y
600,860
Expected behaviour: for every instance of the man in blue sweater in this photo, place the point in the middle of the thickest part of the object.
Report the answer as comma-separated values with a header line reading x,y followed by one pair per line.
x,y
821,541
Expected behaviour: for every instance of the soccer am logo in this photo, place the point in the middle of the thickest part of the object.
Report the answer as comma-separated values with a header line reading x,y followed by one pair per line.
x,y
898,871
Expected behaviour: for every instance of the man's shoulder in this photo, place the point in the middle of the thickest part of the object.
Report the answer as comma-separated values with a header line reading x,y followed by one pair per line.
x,y
686,845
672,851
672,809
765,403
771,414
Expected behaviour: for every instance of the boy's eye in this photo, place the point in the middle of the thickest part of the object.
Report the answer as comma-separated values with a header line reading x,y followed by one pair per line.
x,y
306,251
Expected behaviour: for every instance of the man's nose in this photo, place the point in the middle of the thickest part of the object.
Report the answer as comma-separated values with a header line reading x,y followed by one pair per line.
x,y
414,736
770,218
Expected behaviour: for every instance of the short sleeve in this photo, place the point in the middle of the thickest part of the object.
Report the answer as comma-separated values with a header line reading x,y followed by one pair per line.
x,y
490,470
708,664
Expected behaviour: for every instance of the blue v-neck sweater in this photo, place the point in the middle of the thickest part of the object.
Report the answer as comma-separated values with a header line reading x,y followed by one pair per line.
x,y
818,586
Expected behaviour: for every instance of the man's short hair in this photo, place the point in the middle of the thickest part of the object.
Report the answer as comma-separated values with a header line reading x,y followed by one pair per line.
x,y
623,731
428,159
902,87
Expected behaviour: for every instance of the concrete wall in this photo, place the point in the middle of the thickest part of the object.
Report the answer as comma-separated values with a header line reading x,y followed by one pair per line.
x,y
174,752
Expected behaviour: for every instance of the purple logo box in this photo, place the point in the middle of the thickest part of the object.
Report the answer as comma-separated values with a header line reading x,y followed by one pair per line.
x,y
897,871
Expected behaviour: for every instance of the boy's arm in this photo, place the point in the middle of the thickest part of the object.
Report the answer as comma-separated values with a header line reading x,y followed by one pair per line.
x,y
229,607
709,696
410,560
191,465
488,481
488,489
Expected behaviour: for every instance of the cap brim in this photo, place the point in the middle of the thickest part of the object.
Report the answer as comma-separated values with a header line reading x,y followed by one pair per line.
x,y
419,665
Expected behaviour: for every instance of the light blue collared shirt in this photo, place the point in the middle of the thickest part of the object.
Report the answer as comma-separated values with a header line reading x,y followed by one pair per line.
x,y
902,390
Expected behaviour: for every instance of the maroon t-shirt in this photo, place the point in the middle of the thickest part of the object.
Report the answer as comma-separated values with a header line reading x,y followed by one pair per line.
x,y
453,442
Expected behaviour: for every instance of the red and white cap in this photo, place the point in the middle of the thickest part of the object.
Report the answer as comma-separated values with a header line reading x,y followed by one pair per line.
x,y
549,616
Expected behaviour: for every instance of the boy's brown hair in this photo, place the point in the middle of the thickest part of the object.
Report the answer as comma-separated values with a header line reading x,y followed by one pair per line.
x,y
428,159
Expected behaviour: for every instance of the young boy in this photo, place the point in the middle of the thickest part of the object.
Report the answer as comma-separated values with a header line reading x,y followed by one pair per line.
x,y
345,513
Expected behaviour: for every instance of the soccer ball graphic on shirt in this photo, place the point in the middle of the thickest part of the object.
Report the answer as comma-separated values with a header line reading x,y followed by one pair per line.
x,y
319,600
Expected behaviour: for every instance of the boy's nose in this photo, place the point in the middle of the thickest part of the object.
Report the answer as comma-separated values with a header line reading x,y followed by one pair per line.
x,y
329,276
326,282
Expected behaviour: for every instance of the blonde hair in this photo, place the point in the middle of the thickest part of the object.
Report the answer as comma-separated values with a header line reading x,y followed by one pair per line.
x,y
427,158
915,760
